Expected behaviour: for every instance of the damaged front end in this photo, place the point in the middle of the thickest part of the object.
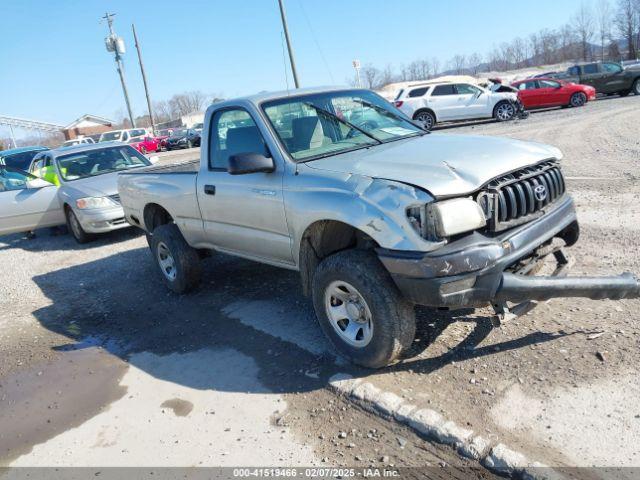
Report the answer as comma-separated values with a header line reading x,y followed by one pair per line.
x,y
494,268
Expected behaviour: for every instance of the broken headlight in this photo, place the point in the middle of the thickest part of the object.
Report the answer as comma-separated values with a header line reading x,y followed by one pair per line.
x,y
437,220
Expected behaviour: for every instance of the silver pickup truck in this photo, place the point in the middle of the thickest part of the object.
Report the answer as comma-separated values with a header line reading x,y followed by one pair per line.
x,y
375,214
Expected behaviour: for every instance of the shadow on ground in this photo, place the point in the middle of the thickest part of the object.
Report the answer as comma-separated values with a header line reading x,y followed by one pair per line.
x,y
120,303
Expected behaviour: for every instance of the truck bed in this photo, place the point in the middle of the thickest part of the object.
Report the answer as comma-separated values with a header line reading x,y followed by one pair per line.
x,y
192,166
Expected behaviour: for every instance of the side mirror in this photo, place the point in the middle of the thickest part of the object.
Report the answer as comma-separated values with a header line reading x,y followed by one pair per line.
x,y
153,159
243,163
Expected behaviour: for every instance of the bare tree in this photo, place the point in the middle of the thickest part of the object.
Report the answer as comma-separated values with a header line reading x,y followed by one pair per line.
x,y
603,20
626,21
187,102
370,75
584,26
473,63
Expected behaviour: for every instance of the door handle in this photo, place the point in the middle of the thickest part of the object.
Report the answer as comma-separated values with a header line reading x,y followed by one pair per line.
x,y
210,189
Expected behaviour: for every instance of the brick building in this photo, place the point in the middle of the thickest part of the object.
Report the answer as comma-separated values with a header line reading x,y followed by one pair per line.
x,y
86,126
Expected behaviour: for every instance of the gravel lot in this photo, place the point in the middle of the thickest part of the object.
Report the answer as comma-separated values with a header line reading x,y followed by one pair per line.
x,y
102,365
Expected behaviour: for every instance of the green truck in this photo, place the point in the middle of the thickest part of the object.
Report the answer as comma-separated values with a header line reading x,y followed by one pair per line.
x,y
605,77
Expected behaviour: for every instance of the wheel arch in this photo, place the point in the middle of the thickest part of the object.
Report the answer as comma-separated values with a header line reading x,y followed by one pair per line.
x,y
425,109
155,215
326,237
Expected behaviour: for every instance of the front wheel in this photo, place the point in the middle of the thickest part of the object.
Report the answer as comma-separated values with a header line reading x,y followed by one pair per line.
x,y
578,99
143,150
189,144
504,111
636,87
178,262
73,225
427,119
360,309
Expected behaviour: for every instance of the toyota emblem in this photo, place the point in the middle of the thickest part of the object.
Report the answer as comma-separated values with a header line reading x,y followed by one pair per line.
x,y
540,192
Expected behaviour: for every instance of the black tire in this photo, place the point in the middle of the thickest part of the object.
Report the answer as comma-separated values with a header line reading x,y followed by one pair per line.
x,y
578,99
504,111
73,225
392,318
426,118
185,275
189,144
636,87
143,150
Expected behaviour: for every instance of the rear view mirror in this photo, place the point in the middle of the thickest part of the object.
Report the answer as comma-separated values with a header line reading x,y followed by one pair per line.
x,y
153,159
244,163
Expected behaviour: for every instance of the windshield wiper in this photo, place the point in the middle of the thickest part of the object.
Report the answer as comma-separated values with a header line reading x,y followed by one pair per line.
x,y
388,113
342,120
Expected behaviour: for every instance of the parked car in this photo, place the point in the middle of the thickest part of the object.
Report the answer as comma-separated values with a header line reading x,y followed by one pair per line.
x,y
145,144
431,103
75,185
183,138
376,217
77,141
162,136
122,136
19,158
548,92
605,77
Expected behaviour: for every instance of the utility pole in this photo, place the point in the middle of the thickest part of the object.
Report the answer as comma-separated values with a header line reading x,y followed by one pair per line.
x,y
115,44
356,66
144,80
289,48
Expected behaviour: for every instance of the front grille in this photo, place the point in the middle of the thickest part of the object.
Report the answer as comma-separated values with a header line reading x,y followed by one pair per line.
x,y
521,196
115,198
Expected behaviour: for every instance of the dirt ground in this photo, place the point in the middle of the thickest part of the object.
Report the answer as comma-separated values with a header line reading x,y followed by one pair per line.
x,y
100,365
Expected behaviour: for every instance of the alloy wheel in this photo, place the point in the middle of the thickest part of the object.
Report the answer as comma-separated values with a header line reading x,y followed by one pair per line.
x,y
505,111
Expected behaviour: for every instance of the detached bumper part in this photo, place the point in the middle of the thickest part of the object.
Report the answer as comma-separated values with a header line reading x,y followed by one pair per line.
x,y
519,288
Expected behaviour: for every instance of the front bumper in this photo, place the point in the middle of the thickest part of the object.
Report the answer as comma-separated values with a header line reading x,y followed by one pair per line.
x,y
468,272
101,220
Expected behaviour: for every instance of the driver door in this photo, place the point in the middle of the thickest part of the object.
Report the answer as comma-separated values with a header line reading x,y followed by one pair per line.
x,y
27,203
242,214
471,102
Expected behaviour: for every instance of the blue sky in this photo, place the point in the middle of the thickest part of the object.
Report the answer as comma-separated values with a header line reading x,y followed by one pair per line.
x,y
55,67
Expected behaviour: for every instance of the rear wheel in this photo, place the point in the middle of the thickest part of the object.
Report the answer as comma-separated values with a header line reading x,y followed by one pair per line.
x,y
426,118
578,99
143,150
504,111
636,87
179,263
189,144
360,309
73,225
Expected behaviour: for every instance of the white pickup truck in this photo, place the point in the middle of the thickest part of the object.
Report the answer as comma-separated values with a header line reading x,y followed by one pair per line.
x,y
376,214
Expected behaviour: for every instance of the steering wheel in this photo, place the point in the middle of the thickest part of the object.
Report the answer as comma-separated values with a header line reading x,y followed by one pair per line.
x,y
366,125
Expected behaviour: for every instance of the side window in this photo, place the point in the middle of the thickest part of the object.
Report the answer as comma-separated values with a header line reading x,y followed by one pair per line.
x,y
531,85
37,165
233,131
466,89
574,71
13,179
548,84
441,90
591,68
418,92
611,68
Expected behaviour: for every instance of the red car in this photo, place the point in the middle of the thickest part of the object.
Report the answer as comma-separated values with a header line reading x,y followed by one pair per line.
x,y
162,135
145,144
550,92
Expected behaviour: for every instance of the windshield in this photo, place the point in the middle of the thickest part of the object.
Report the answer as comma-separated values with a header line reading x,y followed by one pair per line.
x,y
314,126
97,162
109,136
21,160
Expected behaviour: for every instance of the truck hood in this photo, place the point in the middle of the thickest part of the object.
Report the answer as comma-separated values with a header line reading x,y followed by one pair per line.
x,y
442,164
